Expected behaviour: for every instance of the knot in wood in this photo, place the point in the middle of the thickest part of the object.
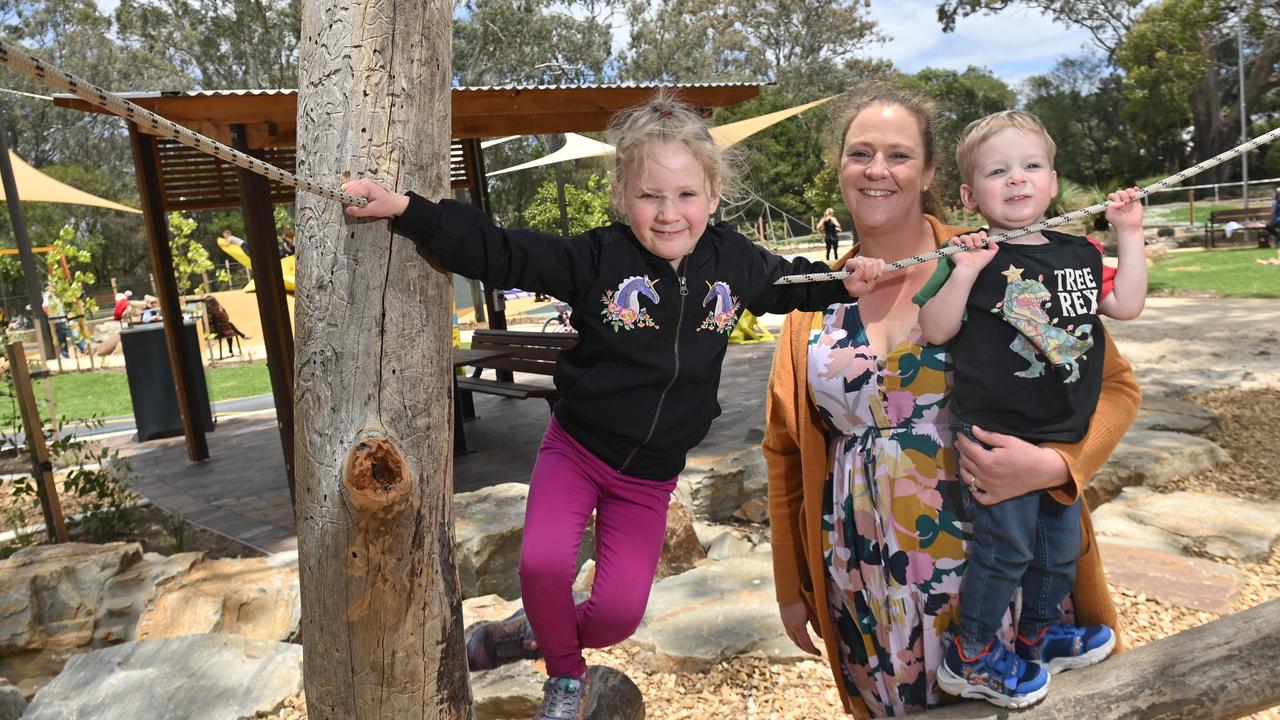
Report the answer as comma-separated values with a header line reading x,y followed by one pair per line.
x,y
376,474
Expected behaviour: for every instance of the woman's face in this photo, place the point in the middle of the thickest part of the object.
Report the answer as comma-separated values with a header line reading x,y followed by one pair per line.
x,y
882,167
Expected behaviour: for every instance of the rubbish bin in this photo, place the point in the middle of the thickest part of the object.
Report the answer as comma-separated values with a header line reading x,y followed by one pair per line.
x,y
155,397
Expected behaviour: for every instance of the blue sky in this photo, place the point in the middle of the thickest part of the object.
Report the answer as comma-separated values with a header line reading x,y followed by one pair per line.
x,y
1014,44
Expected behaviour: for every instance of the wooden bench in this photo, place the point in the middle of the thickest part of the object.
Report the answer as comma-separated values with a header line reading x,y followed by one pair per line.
x,y
531,352
1255,218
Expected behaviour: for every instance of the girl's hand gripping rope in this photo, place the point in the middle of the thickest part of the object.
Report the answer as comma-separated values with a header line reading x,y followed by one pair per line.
x,y
381,201
864,273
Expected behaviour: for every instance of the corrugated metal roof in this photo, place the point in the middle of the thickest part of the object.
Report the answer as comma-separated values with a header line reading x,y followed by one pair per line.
x,y
482,88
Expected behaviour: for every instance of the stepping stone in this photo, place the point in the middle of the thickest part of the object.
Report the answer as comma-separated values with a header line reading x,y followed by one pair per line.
x,y
1152,458
1173,415
1210,523
1171,578
194,676
714,612
514,691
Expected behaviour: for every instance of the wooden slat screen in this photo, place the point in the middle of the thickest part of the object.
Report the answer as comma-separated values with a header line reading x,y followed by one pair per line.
x,y
194,181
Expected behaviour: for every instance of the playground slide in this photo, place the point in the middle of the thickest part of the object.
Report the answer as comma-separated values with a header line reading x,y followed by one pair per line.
x,y
237,253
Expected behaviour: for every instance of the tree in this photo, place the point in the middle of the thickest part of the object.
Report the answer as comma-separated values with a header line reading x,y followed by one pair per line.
x,y
69,281
191,261
381,610
1106,20
504,42
587,208
1180,63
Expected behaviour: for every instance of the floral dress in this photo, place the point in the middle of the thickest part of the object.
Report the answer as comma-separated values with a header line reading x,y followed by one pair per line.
x,y
895,527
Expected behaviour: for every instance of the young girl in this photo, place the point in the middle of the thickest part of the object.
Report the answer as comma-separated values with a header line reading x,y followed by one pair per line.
x,y
653,303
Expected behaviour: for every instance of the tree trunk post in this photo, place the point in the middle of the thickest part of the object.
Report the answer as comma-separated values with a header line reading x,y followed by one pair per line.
x,y
381,608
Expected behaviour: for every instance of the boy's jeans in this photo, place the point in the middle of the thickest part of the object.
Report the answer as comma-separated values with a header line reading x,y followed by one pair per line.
x,y
1032,542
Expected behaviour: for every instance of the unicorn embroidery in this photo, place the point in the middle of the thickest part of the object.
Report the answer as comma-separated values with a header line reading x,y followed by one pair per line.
x,y
622,306
724,315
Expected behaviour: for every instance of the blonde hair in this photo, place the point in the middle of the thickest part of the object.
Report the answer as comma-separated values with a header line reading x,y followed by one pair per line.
x,y
923,109
664,119
981,130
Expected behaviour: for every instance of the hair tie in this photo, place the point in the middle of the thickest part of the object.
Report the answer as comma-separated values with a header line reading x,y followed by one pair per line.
x,y
664,114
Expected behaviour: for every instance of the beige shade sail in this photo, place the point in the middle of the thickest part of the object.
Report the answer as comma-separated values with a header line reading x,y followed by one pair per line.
x,y
35,186
577,147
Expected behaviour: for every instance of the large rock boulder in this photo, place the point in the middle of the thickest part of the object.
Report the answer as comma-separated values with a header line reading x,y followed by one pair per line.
x,y
252,597
51,595
1192,523
12,703
1171,577
126,595
488,524
1174,415
714,612
681,549
194,676
713,487
514,691
1152,458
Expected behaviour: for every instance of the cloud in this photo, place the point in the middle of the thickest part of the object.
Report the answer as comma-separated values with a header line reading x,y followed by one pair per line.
x,y
1014,43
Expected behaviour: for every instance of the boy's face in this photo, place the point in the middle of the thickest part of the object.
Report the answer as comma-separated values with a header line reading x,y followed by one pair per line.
x,y
1012,182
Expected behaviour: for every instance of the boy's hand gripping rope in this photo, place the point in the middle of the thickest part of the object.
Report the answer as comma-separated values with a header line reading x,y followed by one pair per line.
x,y
1051,222
24,63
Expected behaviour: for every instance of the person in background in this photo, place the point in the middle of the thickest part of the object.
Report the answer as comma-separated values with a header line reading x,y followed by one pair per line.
x,y
287,244
238,242
830,228
122,305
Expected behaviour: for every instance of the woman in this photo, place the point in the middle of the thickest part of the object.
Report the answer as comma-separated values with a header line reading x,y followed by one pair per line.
x,y
829,226
869,533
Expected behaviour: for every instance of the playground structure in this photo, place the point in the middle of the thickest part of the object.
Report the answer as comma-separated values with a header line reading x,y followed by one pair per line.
x,y
288,264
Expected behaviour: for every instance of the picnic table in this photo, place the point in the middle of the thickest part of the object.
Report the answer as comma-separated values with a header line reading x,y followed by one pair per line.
x,y
463,357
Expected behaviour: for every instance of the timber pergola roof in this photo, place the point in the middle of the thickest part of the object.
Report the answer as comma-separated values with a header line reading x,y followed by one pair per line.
x,y
263,123
194,181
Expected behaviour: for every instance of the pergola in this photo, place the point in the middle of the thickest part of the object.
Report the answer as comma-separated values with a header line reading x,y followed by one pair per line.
x,y
263,123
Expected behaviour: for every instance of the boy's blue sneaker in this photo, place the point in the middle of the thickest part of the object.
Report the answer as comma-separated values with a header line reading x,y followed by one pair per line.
x,y
995,675
1067,647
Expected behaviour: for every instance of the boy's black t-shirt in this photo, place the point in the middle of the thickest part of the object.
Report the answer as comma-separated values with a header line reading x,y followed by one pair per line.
x,y
1026,359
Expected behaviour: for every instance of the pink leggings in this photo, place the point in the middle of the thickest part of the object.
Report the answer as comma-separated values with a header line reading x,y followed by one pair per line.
x,y
631,520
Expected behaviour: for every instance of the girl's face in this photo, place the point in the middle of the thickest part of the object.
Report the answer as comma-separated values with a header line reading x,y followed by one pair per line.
x,y
668,201
882,167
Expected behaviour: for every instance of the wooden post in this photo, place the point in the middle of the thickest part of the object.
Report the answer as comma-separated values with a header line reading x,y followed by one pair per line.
x,y
1191,207
152,196
41,467
381,608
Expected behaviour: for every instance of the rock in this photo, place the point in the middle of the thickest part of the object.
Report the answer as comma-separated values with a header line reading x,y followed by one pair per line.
x,y
762,549
1208,523
1171,577
1151,458
514,691
714,487
728,545
253,597
126,595
488,524
1159,381
12,703
755,510
586,577
51,595
195,676
1169,414
706,532
681,549
712,613
487,608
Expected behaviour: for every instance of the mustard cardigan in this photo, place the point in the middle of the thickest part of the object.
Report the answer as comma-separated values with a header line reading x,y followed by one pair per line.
x,y
795,449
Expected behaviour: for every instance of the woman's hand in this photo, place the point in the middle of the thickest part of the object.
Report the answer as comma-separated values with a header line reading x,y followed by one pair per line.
x,y
864,273
796,619
1011,468
382,202
977,251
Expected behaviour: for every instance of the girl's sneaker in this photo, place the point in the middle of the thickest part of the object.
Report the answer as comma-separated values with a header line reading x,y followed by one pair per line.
x,y
563,698
995,675
1066,647
492,644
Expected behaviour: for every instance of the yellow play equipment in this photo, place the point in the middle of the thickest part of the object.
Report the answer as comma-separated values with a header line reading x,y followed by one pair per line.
x,y
749,330
288,264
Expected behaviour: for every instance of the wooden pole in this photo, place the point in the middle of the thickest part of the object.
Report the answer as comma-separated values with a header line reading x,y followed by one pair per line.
x,y
1191,207
273,306
381,609
149,191
41,467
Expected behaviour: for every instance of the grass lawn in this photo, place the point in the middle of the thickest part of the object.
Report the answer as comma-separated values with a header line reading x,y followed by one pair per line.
x,y
105,393
1228,272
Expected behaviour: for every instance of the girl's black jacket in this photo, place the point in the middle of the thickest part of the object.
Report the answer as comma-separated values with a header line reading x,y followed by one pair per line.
x,y
639,388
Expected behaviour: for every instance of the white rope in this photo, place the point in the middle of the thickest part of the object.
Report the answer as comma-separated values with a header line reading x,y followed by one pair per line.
x,y
1051,222
24,63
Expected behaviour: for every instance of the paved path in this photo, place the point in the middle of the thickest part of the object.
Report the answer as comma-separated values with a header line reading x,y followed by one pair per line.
x,y
241,490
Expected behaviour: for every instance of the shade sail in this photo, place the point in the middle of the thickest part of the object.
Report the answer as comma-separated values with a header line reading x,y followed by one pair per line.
x,y
35,186
577,147
736,132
